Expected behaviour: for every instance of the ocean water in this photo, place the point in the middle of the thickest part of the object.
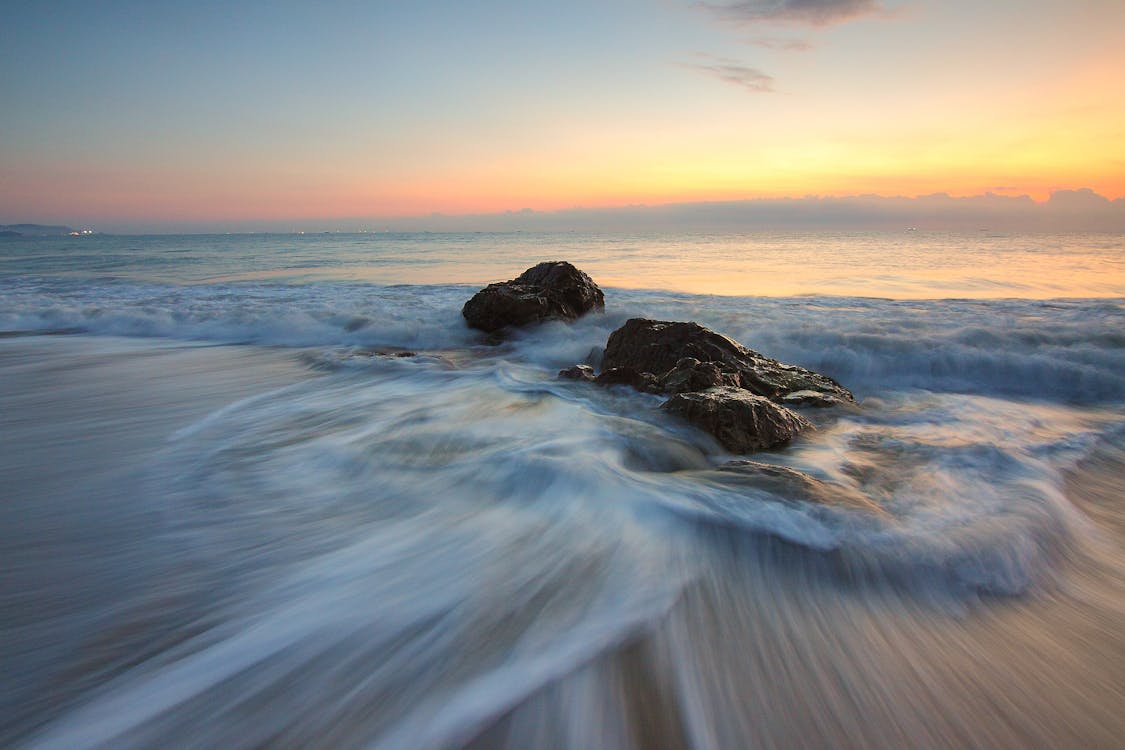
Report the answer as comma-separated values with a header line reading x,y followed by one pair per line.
x,y
233,519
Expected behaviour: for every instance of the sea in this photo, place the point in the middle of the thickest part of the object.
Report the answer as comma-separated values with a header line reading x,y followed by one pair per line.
x,y
269,490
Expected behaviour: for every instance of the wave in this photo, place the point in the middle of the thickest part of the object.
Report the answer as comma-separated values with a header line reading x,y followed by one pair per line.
x,y
1072,350
404,549
301,316
969,487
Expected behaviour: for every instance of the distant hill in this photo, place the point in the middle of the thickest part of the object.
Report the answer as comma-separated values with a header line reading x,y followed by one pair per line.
x,y
32,230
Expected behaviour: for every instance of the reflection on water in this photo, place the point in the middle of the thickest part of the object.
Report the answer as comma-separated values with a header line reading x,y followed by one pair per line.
x,y
899,265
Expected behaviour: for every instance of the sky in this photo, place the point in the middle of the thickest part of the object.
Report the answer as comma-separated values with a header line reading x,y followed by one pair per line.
x,y
210,114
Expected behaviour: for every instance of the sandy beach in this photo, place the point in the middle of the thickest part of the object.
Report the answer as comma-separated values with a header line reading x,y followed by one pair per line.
x,y
80,422
765,644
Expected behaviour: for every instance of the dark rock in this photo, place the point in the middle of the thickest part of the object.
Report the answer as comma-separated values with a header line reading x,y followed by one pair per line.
x,y
658,346
692,375
642,381
741,421
554,290
811,398
790,484
578,372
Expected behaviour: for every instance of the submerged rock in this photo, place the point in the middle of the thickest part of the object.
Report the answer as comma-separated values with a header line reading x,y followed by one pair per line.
x,y
659,347
554,290
811,398
641,381
578,372
734,393
741,421
690,374
790,484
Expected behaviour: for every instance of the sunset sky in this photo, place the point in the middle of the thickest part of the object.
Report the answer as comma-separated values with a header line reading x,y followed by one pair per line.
x,y
143,112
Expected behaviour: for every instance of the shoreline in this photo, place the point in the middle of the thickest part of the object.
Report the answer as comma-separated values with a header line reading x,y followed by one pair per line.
x,y
767,644
729,666
80,420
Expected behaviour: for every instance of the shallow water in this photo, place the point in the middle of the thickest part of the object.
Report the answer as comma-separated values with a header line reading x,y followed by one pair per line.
x,y
273,535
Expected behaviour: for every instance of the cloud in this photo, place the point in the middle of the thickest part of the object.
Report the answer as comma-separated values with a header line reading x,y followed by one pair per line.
x,y
779,43
735,72
1066,210
811,12
1080,210
1077,201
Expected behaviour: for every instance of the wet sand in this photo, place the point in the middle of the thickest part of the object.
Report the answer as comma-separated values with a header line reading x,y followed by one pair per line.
x,y
80,420
770,645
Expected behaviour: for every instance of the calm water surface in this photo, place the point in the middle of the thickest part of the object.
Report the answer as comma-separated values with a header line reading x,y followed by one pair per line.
x,y
906,264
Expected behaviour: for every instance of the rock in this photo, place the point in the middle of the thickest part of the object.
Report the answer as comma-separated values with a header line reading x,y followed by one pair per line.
x,y
553,290
790,484
741,421
810,398
642,381
692,375
578,372
658,347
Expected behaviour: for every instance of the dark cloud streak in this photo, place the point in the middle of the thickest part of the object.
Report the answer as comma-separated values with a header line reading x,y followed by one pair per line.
x,y
810,12
784,45
734,72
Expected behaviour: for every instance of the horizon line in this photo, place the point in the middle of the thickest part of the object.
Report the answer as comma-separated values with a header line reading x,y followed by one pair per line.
x,y
1089,196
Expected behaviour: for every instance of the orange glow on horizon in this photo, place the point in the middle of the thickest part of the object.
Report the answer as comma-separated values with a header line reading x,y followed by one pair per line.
x,y
86,197
648,115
